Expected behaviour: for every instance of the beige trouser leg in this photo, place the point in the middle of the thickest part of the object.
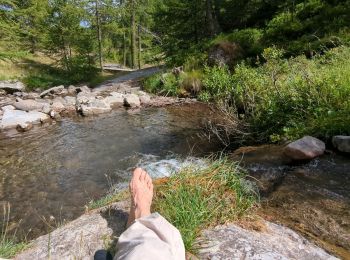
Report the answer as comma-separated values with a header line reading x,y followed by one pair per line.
x,y
151,238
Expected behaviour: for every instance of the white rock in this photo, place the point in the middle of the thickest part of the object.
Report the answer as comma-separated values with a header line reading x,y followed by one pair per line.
x,y
305,148
94,108
115,100
72,90
53,91
31,95
57,106
46,108
28,105
8,107
342,143
70,101
85,98
132,100
85,89
12,87
145,99
12,118
24,127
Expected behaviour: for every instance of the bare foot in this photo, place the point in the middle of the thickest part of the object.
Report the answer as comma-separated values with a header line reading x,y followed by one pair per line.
x,y
141,189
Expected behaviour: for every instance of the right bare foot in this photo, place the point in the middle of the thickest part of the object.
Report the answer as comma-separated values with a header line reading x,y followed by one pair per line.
x,y
141,189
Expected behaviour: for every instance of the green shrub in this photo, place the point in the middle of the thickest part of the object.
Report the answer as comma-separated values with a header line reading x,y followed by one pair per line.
x,y
153,83
249,39
166,84
218,83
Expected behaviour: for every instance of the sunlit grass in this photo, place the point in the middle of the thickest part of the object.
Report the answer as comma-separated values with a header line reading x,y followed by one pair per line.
x,y
195,199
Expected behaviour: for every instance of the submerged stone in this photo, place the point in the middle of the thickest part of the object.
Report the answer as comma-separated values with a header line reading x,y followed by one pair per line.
x,y
342,143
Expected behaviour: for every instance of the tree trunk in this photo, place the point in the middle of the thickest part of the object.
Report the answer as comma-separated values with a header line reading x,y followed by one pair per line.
x,y
133,34
140,46
124,50
212,24
99,35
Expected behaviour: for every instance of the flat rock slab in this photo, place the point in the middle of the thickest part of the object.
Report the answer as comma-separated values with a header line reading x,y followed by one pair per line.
x,y
305,148
342,143
82,238
12,87
12,118
277,242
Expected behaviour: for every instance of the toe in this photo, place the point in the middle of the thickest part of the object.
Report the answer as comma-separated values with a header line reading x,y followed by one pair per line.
x,y
137,173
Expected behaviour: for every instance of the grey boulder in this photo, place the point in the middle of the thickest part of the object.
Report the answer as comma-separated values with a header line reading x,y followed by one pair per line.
x,y
274,242
342,143
305,148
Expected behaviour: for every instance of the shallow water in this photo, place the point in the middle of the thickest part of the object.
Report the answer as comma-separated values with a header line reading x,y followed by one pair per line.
x,y
57,169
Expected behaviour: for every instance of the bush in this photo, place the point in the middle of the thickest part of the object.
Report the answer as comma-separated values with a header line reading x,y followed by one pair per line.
x,y
218,83
166,84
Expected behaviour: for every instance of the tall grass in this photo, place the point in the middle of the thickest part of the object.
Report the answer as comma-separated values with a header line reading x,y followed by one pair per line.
x,y
196,198
9,246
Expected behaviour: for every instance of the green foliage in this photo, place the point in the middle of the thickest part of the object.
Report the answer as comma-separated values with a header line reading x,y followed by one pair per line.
x,y
195,198
43,81
217,83
250,40
288,98
166,84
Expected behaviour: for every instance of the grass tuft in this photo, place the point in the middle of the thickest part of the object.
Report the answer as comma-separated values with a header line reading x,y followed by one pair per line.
x,y
9,246
196,199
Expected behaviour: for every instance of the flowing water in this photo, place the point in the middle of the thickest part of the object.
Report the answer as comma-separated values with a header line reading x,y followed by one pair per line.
x,y
56,170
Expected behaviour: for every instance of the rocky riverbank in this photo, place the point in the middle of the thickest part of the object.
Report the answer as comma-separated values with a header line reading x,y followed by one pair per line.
x,y
96,232
22,110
